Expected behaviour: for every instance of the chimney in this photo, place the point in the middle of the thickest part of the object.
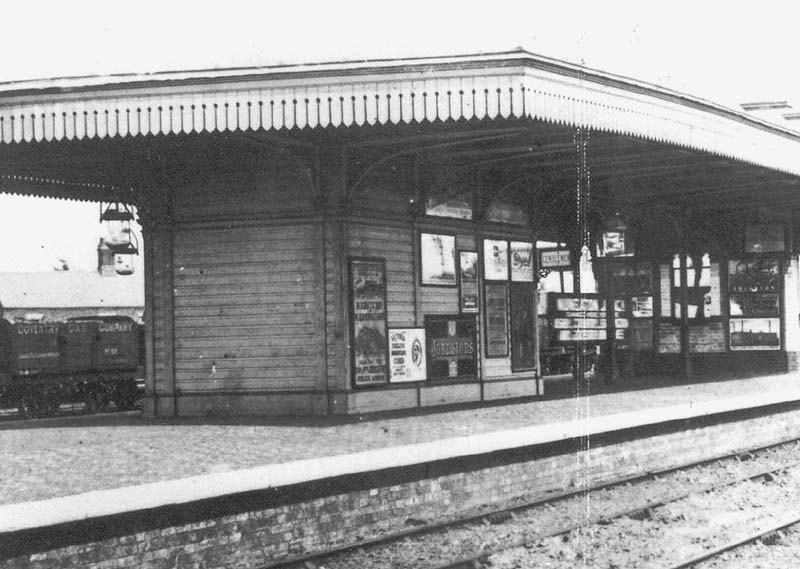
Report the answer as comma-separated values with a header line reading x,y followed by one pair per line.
x,y
105,260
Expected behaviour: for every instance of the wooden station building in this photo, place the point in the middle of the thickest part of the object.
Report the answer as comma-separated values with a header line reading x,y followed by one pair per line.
x,y
362,236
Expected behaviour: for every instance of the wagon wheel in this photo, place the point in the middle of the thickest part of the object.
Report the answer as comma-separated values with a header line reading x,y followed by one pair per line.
x,y
24,406
90,402
95,400
51,401
125,394
33,404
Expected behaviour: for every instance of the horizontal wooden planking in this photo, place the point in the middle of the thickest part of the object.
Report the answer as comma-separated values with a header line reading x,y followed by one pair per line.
x,y
270,248
247,384
286,260
280,201
219,361
295,290
267,333
265,379
496,367
438,300
257,191
230,369
199,276
266,310
211,337
233,299
287,322
405,319
244,235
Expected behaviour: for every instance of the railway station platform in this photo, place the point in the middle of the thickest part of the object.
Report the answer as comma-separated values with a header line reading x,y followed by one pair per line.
x,y
86,490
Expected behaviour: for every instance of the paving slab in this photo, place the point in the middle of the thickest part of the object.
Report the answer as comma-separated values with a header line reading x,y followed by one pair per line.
x,y
70,455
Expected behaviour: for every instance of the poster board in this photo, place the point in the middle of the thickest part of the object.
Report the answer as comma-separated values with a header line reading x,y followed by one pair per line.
x,y
764,238
468,281
407,355
521,258
496,300
495,259
437,259
523,325
754,296
368,321
583,318
451,346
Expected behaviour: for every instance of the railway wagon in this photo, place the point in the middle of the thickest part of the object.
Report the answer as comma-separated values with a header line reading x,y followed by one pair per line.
x,y
95,360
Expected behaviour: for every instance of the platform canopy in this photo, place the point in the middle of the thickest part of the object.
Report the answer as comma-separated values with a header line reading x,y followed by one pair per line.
x,y
512,119
514,84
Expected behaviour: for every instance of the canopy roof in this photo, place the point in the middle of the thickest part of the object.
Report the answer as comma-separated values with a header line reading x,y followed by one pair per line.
x,y
514,84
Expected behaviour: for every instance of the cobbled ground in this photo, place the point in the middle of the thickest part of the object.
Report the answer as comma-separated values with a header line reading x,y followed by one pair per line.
x,y
67,455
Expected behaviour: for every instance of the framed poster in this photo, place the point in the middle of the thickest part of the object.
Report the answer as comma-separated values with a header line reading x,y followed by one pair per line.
x,y
407,355
521,261
496,300
468,279
755,333
368,321
642,306
451,347
437,259
523,324
495,260
764,238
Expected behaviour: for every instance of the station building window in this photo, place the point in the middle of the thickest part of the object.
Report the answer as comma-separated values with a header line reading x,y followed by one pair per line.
x,y
703,287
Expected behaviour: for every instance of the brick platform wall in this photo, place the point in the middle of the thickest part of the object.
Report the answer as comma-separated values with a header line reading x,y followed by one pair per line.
x,y
254,529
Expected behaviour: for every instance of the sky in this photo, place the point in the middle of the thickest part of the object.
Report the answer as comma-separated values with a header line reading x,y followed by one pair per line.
x,y
726,52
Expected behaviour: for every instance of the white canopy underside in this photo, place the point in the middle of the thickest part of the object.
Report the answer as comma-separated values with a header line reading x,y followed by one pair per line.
x,y
454,89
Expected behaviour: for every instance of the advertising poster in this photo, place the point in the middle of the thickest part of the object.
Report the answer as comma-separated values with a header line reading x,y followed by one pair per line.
x,y
495,260
438,256
522,261
642,306
407,355
755,333
368,322
451,347
523,325
754,295
496,321
764,238
468,266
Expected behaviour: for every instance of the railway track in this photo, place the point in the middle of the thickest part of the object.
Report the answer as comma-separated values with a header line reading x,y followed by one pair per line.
x,y
482,558
759,535
399,550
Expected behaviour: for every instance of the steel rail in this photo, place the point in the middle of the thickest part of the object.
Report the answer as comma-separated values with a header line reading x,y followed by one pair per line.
x,y
312,560
782,524
477,559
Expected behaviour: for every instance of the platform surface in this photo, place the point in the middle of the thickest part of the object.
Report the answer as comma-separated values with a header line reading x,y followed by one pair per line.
x,y
64,456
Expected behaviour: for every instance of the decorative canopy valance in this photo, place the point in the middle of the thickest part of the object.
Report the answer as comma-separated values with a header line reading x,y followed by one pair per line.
x,y
481,87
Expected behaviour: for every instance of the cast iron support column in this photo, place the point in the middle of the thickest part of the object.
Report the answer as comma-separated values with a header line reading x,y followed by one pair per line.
x,y
612,373
684,255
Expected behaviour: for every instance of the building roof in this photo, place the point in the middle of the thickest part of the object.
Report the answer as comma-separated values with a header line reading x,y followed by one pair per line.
x,y
69,289
513,84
